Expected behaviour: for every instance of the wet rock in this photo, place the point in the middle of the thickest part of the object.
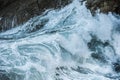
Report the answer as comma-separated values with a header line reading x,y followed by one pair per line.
x,y
16,12
105,6
99,57
57,74
116,67
4,3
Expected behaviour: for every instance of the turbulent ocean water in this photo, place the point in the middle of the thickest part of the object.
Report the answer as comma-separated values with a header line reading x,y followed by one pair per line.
x,y
65,44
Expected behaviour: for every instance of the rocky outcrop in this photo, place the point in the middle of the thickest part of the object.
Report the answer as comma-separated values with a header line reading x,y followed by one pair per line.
x,y
15,12
105,6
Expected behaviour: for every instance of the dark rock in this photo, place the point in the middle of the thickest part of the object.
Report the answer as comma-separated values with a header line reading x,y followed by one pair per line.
x,y
105,6
16,12
57,74
4,3
99,57
116,67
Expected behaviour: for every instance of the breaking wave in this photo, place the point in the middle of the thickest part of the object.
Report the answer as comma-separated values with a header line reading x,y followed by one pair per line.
x,y
65,44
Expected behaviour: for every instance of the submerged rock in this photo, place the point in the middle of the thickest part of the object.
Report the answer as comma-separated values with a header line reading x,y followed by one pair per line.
x,y
116,67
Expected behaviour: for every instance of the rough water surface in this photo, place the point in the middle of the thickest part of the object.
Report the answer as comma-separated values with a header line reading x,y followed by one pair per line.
x,y
66,44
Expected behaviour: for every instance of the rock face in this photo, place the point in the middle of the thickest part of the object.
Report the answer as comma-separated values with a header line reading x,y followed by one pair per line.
x,y
15,12
105,6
